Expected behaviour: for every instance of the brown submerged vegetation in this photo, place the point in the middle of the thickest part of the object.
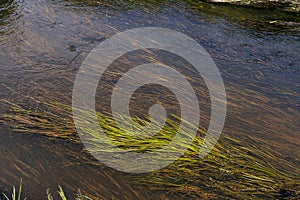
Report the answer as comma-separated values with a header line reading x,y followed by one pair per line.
x,y
231,170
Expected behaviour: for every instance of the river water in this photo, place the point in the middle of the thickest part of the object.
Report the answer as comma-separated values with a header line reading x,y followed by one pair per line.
x,y
42,44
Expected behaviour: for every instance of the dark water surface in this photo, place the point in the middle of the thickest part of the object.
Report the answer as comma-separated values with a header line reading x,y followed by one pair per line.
x,y
42,44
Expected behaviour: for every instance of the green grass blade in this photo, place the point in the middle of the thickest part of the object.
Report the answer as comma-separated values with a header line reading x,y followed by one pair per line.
x,y
61,193
20,190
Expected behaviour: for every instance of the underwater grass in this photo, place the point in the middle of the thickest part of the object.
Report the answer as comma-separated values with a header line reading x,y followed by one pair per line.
x,y
233,169
248,15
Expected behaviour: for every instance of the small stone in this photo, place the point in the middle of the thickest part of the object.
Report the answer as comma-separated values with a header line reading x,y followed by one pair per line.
x,y
72,48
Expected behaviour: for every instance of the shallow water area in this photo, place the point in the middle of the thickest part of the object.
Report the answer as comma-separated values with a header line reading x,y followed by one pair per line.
x,y
42,44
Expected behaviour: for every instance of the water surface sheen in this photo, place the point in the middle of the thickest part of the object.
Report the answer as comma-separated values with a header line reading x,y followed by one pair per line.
x,y
42,44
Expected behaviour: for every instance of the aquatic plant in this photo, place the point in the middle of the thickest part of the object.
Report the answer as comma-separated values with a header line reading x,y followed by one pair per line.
x,y
233,169
17,195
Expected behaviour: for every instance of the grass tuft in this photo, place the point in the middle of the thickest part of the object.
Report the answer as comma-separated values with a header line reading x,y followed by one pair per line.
x,y
49,195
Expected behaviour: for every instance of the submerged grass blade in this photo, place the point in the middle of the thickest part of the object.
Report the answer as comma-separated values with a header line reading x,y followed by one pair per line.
x,y
235,168
61,193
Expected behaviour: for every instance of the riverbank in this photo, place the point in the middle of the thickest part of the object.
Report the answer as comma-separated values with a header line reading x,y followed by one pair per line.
x,y
284,5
